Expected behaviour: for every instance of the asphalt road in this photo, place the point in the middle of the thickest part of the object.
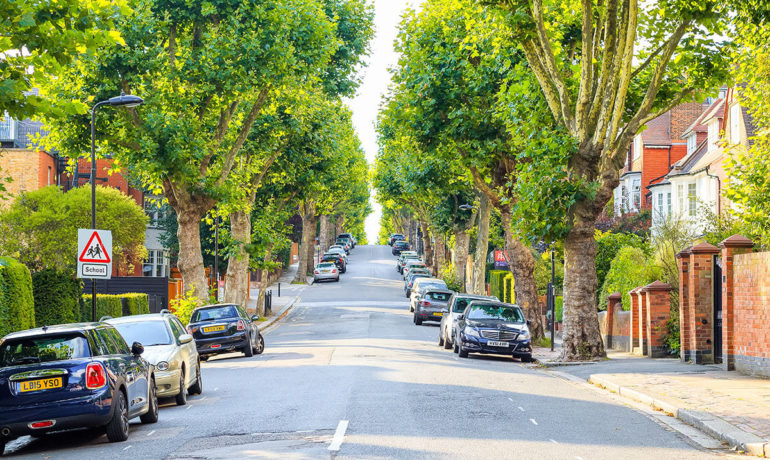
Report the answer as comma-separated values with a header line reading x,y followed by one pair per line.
x,y
348,375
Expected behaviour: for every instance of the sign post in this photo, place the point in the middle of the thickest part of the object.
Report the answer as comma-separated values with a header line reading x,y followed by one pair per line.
x,y
94,258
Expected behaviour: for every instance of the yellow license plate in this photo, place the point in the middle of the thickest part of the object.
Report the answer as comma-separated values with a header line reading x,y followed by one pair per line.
x,y
42,384
438,313
214,328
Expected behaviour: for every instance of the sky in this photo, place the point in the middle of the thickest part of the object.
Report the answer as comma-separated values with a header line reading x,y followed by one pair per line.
x,y
376,79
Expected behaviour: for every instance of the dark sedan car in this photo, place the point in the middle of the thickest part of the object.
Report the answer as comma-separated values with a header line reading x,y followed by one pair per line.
x,y
73,376
336,259
399,246
395,237
493,328
432,306
224,328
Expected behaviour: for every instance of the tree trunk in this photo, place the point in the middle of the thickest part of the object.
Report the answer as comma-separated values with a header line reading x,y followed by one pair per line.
x,y
462,246
264,281
482,243
307,247
190,259
324,234
427,247
522,266
339,225
581,336
440,253
237,286
312,249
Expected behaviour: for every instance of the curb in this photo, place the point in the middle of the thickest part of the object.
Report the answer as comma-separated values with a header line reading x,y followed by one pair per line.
x,y
275,319
705,422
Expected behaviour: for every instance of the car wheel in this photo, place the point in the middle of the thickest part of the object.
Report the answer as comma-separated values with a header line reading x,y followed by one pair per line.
x,y
204,358
181,397
260,344
462,352
440,339
527,359
117,428
152,414
447,344
197,387
454,346
2,447
248,350
337,280
417,321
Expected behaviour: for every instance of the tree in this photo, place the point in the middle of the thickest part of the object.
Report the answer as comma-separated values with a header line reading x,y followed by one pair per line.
x,y
206,71
40,227
605,70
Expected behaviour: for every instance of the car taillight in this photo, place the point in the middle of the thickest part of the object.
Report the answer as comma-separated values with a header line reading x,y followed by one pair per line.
x,y
425,303
334,270
95,376
241,326
317,272
45,424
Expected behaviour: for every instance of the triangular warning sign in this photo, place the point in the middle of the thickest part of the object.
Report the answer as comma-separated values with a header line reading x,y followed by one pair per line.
x,y
95,251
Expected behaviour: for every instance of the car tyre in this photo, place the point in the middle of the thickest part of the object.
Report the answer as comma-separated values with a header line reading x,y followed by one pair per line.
x,y
417,321
2,447
527,359
455,348
462,352
248,350
447,344
260,345
117,428
197,387
337,280
181,397
440,339
152,413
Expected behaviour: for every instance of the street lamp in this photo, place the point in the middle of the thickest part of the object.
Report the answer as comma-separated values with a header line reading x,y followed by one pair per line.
x,y
466,207
124,100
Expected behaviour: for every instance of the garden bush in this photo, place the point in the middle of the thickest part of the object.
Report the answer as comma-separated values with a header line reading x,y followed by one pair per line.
x,y
183,306
448,274
497,283
56,297
509,294
629,269
106,305
137,303
608,245
18,304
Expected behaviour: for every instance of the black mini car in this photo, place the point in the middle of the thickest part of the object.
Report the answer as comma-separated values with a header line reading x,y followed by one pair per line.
x,y
223,328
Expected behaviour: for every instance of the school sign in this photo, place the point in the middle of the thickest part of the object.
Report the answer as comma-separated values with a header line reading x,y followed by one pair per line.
x,y
94,253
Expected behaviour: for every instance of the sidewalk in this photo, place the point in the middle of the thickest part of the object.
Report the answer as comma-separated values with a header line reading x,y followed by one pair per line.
x,y
729,406
290,295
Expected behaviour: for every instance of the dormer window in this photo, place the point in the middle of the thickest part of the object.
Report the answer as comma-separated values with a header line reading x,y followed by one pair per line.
x,y
692,142
637,146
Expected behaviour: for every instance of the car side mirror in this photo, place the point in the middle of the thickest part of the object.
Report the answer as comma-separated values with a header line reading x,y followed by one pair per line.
x,y
185,338
460,317
529,323
255,318
137,348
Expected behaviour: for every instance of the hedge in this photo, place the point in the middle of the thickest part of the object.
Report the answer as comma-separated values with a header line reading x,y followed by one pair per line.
x,y
509,295
106,305
497,283
137,303
17,304
56,297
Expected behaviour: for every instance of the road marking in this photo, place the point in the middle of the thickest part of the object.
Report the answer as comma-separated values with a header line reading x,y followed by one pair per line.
x,y
534,422
554,441
127,447
509,399
188,407
521,408
201,399
339,435
216,389
150,433
578,458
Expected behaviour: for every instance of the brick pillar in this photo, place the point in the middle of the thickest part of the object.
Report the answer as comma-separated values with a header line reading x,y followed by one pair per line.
x,y
643,338
612,300
736,244
658,313
634,322
701,304
684,302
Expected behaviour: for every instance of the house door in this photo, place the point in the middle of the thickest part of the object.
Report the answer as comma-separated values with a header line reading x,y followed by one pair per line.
x,y
717,279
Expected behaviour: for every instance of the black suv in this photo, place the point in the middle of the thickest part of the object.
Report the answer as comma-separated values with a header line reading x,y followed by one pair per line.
x,y
223,328
399,246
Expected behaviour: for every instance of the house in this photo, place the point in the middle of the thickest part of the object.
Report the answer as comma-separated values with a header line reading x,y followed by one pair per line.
x,y
696,182
651,155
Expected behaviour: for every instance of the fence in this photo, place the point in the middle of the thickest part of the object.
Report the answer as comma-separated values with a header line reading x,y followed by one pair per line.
x,y
156,288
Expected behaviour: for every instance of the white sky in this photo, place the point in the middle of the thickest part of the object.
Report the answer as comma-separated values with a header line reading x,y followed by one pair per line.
x,y
375,84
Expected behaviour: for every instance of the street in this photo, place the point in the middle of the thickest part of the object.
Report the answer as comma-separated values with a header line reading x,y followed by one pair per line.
x,y
348,375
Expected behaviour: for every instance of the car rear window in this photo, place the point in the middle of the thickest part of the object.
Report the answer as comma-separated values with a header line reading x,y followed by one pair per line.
x,y
511,314
214,313
326,265
43,349
147,333
460,305
440,296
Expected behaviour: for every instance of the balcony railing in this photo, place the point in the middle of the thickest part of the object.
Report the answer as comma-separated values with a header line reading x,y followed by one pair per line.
x,y
7,129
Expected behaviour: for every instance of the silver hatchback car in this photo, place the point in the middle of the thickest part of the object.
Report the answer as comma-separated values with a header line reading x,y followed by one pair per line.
x,y
326,271
432,306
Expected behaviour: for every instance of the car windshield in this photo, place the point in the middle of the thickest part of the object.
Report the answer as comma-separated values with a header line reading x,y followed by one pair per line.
x,y
439,296
326,266
43,349
460,305
214,313
512,314
148,333
433,285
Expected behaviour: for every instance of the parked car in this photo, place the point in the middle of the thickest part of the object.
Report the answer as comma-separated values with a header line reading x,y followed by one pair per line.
x,y
336,259
432,305
409,264
336,249
223,328
421,285
345,244
81,375
412,278
402,260
326,271
416,271
457,304
169,348
395,237
349,237
493,328
399,246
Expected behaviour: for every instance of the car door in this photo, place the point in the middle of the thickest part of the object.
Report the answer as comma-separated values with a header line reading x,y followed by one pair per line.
x,y
186,351
136,368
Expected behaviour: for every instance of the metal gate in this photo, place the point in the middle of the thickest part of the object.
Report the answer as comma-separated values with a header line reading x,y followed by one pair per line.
x,y
717,321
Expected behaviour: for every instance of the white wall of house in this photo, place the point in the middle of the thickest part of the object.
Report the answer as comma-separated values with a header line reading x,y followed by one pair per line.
x,y
628,194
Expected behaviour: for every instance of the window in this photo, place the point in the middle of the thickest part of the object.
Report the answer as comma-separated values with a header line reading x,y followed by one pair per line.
x,y
154,209
668,206
624,199
176,328
713,134
147,333
156,264
33,350
680,198
660,202
692,198
637,194
638,145
735,124
49,175
692,140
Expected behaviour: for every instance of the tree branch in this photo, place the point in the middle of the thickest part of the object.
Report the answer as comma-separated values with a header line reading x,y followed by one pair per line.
x,y
219,134
483,187
608,57
586,68
550,93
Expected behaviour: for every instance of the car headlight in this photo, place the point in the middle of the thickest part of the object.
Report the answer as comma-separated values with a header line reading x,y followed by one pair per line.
x,y
524,334
163,366
471,332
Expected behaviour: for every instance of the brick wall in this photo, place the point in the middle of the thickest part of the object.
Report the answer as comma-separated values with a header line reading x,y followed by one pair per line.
x,y
751,304
23,167
682,117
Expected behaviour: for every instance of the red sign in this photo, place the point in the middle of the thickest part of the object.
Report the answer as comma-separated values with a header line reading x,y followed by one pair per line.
x,y
95,251
500,256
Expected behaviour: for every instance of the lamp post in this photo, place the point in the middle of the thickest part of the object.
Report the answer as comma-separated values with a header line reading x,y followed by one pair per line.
x,y
552,287
124,100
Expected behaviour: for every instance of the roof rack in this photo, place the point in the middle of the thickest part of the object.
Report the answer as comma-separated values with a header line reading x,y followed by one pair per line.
x,y
105,317
166,311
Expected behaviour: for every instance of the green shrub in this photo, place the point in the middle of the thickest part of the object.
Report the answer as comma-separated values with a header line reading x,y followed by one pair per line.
x,y
629,269
559,308
608,245
5,321
497,283
106,305
138,303
448,274
18,298
56,297
509,294
183,306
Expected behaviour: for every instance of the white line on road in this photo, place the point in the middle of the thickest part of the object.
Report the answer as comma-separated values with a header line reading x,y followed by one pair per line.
x,y
339,435
578,458
216,389
554,441
521,408
509,399
150,433
534,422
127,447
188,407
